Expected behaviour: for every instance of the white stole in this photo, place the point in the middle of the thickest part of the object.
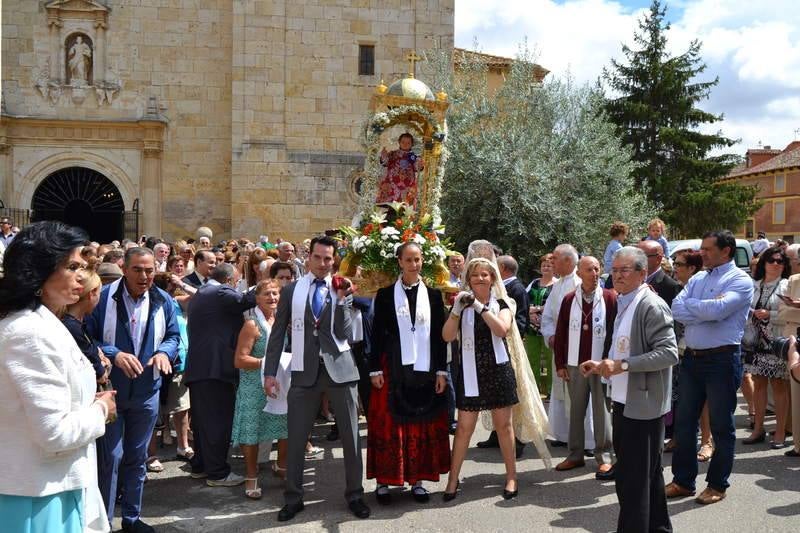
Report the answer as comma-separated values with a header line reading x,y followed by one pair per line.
x,y
621,345
598,326
276,406
299,303
468,348
110,320
415,339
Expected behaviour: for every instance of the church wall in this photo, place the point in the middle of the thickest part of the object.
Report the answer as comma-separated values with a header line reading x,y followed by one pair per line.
x,y
260,100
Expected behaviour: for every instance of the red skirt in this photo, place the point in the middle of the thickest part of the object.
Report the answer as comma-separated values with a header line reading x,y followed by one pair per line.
x,y
399,453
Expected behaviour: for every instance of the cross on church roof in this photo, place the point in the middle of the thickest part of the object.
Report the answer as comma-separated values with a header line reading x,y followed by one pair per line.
x,y
412,58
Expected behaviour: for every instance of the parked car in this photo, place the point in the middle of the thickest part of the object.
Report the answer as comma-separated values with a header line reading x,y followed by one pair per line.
x,y
742,257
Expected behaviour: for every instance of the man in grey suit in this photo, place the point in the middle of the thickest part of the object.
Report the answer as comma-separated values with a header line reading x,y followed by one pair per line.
x,y
643,351
325,364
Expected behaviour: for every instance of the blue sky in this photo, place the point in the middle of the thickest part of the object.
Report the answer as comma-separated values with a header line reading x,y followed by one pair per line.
x,y
752,46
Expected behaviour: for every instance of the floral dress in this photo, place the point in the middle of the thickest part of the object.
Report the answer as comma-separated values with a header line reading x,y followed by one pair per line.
x,y
400,182
251,425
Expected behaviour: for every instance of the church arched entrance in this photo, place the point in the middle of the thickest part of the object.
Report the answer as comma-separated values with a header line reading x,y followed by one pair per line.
x,y
81,197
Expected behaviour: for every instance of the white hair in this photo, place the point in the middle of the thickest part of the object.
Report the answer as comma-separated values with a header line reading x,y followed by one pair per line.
x,y
632,252
567,250
160,245
792,252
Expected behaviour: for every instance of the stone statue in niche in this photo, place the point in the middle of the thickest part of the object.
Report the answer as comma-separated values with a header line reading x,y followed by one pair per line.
x,y
79,63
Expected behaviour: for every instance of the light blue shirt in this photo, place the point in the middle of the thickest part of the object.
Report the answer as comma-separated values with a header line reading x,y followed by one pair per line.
x,y
136,318
608,256
714,307
662,241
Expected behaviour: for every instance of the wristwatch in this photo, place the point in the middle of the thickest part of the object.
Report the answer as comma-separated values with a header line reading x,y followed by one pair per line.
x,y
624,365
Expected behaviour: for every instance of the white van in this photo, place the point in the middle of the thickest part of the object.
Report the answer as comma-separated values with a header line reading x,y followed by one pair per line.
x,y
742,257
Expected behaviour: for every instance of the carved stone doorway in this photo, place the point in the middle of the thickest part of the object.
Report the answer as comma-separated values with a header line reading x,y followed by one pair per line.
x,y
81,197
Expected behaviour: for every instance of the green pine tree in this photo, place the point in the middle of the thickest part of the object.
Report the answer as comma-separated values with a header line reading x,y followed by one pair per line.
x,y
657,115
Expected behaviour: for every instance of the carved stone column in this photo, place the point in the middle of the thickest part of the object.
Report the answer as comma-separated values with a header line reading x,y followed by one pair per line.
x,y
6,173
56,52
99,69
150,186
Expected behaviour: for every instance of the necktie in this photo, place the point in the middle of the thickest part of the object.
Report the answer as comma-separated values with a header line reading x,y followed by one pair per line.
x,y
318,300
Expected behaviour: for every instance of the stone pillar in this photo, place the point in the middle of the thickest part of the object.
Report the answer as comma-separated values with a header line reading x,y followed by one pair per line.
x,y
6,173
56,49
99,67
150,190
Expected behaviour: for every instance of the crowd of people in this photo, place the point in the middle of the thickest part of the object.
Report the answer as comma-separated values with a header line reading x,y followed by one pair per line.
x,y
105,349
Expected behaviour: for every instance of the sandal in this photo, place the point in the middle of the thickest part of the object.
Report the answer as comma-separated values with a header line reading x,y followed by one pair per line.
x,y
705,453
154,465
253,494
185,454
278,471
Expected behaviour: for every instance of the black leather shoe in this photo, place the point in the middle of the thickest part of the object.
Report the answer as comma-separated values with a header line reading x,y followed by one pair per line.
x,y
333,434
520,449
384,498
450,496
137,527
557,443
359,508
420,495
605,476
510,494
491,442
289,510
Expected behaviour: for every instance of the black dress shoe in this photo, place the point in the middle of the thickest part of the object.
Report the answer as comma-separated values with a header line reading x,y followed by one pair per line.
x,y
557,443
588,453
450,496
511,494
359,508
384,498
137,527
520,449
333,434
792,453
420,495
491,442
605,476
289,510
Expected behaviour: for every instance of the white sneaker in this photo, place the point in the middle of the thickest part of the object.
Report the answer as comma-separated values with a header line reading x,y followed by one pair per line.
x,y
231,480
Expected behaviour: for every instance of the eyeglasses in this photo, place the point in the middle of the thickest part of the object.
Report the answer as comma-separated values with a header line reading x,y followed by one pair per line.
x,y
76,267
778,260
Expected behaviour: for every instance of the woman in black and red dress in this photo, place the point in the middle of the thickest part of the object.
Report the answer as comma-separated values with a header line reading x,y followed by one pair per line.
x,y
407,438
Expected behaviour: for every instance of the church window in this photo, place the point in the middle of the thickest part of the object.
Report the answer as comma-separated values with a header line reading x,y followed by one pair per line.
x,y
366,60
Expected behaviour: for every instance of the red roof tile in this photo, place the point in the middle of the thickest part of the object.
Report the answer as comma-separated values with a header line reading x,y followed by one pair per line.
x,y
790,157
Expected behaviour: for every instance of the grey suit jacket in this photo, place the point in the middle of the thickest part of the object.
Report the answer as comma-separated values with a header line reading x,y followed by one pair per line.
x,y
654,351
341,366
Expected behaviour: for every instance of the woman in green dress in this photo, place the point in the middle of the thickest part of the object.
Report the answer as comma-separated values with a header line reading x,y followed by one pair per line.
x,y
539,354
251,424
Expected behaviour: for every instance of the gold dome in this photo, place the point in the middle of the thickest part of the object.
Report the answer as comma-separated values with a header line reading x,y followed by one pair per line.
x,y
411,88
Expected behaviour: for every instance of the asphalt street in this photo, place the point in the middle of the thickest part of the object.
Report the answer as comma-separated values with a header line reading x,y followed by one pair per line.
x,y
764,496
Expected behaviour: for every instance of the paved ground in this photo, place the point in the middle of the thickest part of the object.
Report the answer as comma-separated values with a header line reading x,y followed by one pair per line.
x,y
765,496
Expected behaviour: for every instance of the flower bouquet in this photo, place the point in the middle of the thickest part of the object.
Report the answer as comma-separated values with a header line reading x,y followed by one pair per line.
x,y
373,245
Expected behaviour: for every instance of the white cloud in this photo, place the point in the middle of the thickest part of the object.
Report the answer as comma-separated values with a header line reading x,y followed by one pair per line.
x,y
754,48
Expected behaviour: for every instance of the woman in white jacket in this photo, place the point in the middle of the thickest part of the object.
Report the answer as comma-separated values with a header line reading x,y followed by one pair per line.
x,y
50,415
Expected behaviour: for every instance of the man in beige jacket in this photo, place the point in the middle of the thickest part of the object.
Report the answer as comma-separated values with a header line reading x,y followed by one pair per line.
x,y
791,317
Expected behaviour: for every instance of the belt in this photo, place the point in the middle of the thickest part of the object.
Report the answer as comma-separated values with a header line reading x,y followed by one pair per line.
x,y
711,351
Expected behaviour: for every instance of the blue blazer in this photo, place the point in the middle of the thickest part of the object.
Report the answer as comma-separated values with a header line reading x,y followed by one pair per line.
x,y
143,387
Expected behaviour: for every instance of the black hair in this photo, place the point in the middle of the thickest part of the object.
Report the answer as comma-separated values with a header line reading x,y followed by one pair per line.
x,y
761,266
200,256
151,242
402,248
324,240
406,135
723,239
31,258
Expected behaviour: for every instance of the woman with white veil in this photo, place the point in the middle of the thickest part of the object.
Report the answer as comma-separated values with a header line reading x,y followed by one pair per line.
x,y
487,369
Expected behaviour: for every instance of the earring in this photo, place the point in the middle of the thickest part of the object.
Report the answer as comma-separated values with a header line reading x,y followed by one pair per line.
x,y
38,293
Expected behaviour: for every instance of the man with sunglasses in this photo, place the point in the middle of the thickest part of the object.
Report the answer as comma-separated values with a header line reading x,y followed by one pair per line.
x,y
6,233
713,307
666,287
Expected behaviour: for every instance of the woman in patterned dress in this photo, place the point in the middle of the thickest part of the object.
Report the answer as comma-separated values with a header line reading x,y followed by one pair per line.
x,y
251,424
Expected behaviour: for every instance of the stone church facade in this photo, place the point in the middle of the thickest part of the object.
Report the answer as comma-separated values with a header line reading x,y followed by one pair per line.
x,y
160,116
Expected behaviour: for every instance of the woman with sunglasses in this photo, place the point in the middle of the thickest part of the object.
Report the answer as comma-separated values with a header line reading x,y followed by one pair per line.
x,y
772,271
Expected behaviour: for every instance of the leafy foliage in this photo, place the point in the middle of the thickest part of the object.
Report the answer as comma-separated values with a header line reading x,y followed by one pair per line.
x,y
658,117
532,165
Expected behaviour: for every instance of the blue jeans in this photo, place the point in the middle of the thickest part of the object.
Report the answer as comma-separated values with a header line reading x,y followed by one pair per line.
x,y
713,378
